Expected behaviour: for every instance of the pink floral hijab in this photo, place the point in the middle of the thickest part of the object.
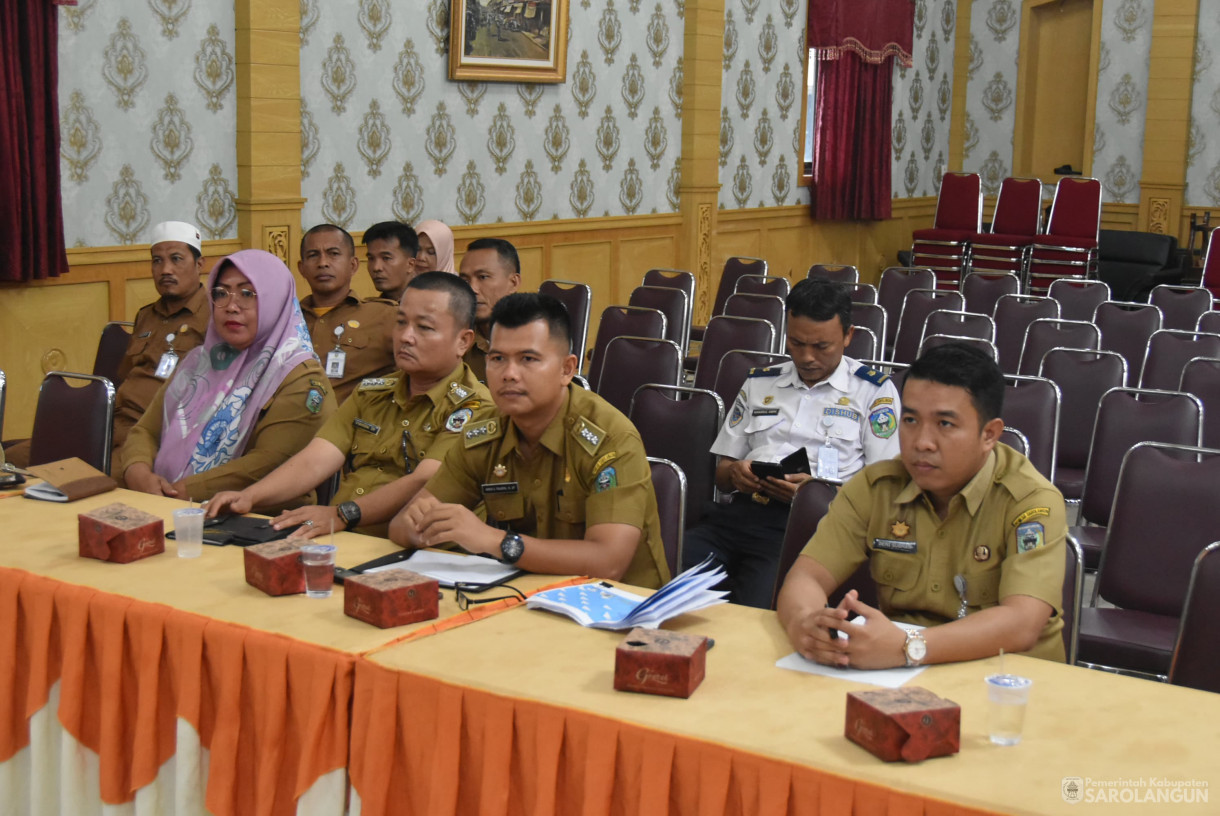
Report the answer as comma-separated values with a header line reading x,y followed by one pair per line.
x,y
217,393
442,239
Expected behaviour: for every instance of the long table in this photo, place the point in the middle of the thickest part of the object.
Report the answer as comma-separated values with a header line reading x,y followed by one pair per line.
x,y
170,684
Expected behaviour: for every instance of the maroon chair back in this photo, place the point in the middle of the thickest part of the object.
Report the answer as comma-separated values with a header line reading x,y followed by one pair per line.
x,y
863,344
1069,246
618,321
1196,660
669,484
734,269
983,289
1126,417
1078,297
1032,405
959,324
672,278
1073,598
839,273
1181,306
763,285
1209,322
872,317
577,298
861,292
725,333
1018,207
1201,377
1082,377
1211,267
809,505
1076,208
1168,353
1045,334
984,345
1013,314
671,302
73,420
1126,328
680,424
111,348
763,307
633,361
959,204
736,365
892,290
916,306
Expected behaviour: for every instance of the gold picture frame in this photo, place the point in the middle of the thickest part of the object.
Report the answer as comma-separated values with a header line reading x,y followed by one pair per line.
x,y
508,40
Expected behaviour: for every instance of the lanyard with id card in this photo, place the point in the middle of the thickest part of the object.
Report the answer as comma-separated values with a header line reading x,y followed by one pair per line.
x,y
168,361
336,360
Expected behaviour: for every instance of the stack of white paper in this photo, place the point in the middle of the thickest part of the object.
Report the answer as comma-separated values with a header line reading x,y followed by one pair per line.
x,y
603,606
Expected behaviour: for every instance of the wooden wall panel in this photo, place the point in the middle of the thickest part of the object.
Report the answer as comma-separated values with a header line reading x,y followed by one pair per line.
x,y
637,255
139,291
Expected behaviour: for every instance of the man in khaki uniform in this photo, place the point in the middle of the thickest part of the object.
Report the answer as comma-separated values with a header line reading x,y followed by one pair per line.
x,y
962,536
391,248
391,434
350,336
493,270
562,473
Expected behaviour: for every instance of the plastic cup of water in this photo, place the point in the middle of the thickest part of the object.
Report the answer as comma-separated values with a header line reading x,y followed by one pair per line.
x,y
1007,699
188,531
319,561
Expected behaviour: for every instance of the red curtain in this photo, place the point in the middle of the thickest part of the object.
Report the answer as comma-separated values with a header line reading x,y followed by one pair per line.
x,y
854,41
31,220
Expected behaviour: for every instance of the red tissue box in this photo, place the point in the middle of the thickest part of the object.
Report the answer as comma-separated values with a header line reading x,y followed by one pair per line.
x,y
910,724
653,661
391,598
120,533
275,567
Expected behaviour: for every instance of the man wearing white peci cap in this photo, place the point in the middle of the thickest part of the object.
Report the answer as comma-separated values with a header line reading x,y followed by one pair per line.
x,y
166,329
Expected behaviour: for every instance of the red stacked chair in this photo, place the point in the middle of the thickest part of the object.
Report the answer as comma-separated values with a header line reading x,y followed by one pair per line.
x,y
959,216
1069,246
1014,227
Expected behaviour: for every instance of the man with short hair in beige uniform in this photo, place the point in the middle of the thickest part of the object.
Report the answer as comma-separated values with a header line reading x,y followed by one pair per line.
x,y
962,535
350,336
562,473
390,435
493,270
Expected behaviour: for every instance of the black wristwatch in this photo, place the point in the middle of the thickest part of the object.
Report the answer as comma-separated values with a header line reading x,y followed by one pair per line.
x,y
512,547
349,511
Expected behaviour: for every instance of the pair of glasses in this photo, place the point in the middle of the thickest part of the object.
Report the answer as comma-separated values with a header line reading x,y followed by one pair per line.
x,y
245,297
462,592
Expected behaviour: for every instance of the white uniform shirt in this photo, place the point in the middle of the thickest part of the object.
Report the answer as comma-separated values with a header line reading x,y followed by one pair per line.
x,y
776,413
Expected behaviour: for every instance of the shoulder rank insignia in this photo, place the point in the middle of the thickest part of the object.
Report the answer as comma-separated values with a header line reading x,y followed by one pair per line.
x,y
872,375
588,435
459,393
481,432
377,383
772,371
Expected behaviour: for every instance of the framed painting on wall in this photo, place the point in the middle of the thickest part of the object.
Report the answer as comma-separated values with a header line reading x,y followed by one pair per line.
x,y
508,40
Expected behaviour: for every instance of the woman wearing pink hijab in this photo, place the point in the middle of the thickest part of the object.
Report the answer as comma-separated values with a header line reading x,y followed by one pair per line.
x,y
242,403
435,247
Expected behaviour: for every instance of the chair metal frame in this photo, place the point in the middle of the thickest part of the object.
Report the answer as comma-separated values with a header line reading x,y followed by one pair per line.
x,y
584,336
684,343
689,391
986,273
664,330
761,282
1016,380
1058,419
933,295
3,393
1079,258
970,317
1151,337
1072,633
1059,321
1191,590
127,327
829,269
872,307
984,343
780,330
956,251
1079,283
734,317
677,373
867,288
1185,290
1203,318
108,435
906,273
872,336
676,566
979,245
1022,438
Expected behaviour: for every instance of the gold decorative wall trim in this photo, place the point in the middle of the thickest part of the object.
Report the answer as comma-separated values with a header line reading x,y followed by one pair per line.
x,y
1158,215
136,253
703,258
275,241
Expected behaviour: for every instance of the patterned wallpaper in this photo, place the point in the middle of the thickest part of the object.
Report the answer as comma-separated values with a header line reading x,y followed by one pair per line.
x,y
148,114
991,90
1203,151
1122,98
760,98
385,134
923,99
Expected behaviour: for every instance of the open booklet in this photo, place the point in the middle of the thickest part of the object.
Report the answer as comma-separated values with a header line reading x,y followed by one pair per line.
x,y
601,605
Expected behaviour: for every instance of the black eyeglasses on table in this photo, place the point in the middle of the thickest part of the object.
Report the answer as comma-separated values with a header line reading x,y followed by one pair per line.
x,y
462,593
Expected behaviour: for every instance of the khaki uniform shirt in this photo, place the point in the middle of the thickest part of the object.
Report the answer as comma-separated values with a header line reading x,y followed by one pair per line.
x,y
367,339
385,432
590,468
476,356
1004,533
154,322
285,426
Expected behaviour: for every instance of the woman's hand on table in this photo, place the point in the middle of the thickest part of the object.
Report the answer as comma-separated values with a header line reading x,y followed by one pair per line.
x,y
141,477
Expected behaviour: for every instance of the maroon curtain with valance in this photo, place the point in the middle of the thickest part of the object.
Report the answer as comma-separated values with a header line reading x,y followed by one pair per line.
x,y
31,219
853,42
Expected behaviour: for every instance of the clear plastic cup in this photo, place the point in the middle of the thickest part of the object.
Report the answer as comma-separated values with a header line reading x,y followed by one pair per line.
x,y
1007,699
319,561
188,531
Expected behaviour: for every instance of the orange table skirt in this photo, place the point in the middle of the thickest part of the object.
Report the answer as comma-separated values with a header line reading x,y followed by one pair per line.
x,y
420,745
273,711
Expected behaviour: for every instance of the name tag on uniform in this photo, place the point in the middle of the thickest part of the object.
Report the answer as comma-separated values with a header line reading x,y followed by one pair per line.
x,y
828,462
893,545
366,426
765,412
336,363
166,366
500,487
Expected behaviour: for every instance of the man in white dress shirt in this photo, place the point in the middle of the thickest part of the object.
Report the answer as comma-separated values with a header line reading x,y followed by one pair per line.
x,y
843,414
